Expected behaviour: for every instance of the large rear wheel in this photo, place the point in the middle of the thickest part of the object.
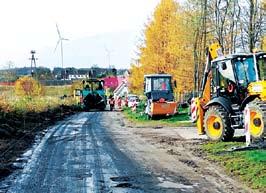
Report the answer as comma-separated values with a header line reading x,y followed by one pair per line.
x,y
257,119
217,124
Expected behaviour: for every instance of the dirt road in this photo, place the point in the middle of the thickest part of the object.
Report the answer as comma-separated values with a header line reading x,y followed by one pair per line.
x,y
99,152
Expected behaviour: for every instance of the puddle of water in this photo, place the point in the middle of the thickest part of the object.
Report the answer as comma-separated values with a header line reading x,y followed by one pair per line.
x,y
120,178
168,184
124,185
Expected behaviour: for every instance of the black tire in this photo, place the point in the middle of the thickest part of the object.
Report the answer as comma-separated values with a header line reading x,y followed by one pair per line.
x,y
260,107
217,124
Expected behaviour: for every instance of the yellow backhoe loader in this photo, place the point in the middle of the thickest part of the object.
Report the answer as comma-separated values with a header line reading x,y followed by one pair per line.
x,y
230,83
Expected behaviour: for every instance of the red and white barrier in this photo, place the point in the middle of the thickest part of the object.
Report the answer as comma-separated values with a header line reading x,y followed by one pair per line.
x,y
134,106
247,125
194,110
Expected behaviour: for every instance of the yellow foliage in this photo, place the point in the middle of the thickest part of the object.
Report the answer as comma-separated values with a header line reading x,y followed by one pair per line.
x,y
264,44
76,85
27,86
4,105
167,48
136,79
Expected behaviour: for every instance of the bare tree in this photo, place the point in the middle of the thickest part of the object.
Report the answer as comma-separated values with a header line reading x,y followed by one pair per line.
x,y
252,20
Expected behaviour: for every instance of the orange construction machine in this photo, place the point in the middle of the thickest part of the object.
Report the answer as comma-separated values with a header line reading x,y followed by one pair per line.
x,y
159,91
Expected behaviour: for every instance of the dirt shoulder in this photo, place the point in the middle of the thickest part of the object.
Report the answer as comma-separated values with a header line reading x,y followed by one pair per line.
x,y
174,155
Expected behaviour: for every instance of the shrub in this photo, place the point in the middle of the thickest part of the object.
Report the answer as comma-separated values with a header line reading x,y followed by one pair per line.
x,y
27,86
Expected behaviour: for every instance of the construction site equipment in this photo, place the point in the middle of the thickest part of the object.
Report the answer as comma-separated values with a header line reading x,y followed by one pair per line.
x,y
159,91
229,84
92,96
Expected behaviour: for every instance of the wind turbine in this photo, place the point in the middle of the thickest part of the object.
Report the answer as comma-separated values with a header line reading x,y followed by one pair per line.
x,y
108,54
60,41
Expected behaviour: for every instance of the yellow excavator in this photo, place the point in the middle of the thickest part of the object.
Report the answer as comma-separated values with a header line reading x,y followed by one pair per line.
x,y
230,83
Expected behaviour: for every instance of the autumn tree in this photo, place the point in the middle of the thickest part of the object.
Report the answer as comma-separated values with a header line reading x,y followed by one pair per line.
x,y
264,43
198,11
136,78
167,48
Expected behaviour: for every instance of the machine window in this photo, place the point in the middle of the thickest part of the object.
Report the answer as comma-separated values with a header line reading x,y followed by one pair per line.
x,y
161,84
261,62
148,85
245,71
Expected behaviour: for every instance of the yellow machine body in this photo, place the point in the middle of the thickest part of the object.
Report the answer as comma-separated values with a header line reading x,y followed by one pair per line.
x,y
258,88
213,117
77,96
257,122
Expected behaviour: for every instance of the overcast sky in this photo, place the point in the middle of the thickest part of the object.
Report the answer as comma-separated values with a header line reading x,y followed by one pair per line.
x,y
30,24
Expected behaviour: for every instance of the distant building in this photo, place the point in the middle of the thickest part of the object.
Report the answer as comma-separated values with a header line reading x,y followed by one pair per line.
x,y
78,76
111,82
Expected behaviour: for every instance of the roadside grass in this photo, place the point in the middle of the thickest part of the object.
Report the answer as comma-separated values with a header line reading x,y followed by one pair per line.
x,y
138,117
53,91
7,91
51,99
57,91
248,165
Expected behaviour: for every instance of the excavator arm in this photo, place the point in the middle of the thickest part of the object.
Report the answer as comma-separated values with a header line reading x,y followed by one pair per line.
x,y
212,52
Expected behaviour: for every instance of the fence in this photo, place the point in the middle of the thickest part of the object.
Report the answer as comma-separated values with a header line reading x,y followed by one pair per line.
x,y
7,83
56,82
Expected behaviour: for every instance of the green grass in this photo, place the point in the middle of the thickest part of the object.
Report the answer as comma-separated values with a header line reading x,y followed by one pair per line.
x,y
139,117
248,165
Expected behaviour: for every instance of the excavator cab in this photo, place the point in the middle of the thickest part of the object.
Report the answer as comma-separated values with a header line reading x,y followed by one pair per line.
x,y
159,91
229,85
231,77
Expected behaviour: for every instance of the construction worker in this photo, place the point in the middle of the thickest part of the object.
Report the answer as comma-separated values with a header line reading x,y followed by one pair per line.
x,y
119,103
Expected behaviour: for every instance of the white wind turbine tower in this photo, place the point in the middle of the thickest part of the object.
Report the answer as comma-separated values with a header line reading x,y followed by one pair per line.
x,y
60,41
108,54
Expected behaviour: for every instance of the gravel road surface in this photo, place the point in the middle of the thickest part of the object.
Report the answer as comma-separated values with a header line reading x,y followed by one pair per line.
x,y
98,152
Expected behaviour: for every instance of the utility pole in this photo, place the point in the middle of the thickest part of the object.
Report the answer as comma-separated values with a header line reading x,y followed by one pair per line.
x,y
33,69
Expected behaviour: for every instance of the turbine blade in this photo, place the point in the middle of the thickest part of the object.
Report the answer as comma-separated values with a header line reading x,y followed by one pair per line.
x,y
57,45
106,49
58,32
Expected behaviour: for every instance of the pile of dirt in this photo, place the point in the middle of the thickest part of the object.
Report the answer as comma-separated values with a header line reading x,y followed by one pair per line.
x,y
18,131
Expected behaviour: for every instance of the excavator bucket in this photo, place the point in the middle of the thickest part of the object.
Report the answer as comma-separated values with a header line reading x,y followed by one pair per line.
x,y
165,108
